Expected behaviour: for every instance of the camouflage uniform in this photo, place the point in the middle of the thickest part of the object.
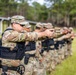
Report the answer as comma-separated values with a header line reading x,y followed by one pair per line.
x,y
10,37
48,56
70,42
59,49
40,69
66,45
56,60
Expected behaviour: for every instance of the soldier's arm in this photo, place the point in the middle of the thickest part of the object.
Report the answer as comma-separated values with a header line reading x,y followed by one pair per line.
x,y
15,36
29,36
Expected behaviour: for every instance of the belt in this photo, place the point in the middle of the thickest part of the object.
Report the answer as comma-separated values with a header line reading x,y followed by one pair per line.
x,y
20,69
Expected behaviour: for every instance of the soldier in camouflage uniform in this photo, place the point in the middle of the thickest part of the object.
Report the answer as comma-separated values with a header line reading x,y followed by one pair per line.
x,y
40,70
60,46
16,33
62,38
69,44
47,54
31,61
66,37
54,52
51,53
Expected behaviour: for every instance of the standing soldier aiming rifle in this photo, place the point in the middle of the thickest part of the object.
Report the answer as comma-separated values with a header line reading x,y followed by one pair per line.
x,y
13,40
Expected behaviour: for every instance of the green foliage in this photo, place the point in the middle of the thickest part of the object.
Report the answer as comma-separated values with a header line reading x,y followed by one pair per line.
x,y
35,12
58,10
65,8
73,12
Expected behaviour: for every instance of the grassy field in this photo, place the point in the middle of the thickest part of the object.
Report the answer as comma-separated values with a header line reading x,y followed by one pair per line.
x,y
68,66
75,29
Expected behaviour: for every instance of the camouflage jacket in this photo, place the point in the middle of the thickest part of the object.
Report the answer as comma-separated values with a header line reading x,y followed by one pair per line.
x,y
11,37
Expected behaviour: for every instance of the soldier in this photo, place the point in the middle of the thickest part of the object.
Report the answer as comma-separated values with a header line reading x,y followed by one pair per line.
x,y
59,44
66,37
63,42
39,70
30,62
14,34
33,67
69,43
46,47
39,27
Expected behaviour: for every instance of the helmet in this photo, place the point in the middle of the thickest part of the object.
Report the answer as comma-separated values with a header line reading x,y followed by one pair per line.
x,y
18,19
71,28
48,25
39,25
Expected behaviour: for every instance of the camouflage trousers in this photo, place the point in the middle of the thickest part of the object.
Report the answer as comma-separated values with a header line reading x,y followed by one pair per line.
x,y
46,60
49,60
10,72
8,63
61,52
29,68
52,59
34,67
69,49
40,70
65,50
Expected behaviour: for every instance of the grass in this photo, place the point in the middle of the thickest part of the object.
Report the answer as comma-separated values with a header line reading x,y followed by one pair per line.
x,y
68,66
74,29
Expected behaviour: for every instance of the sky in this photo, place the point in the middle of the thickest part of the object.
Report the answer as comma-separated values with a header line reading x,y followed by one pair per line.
x,y
39,1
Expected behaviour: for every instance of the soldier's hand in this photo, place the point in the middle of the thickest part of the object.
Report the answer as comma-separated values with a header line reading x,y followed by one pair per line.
x,y
49,32
46,33
72,36
67,36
